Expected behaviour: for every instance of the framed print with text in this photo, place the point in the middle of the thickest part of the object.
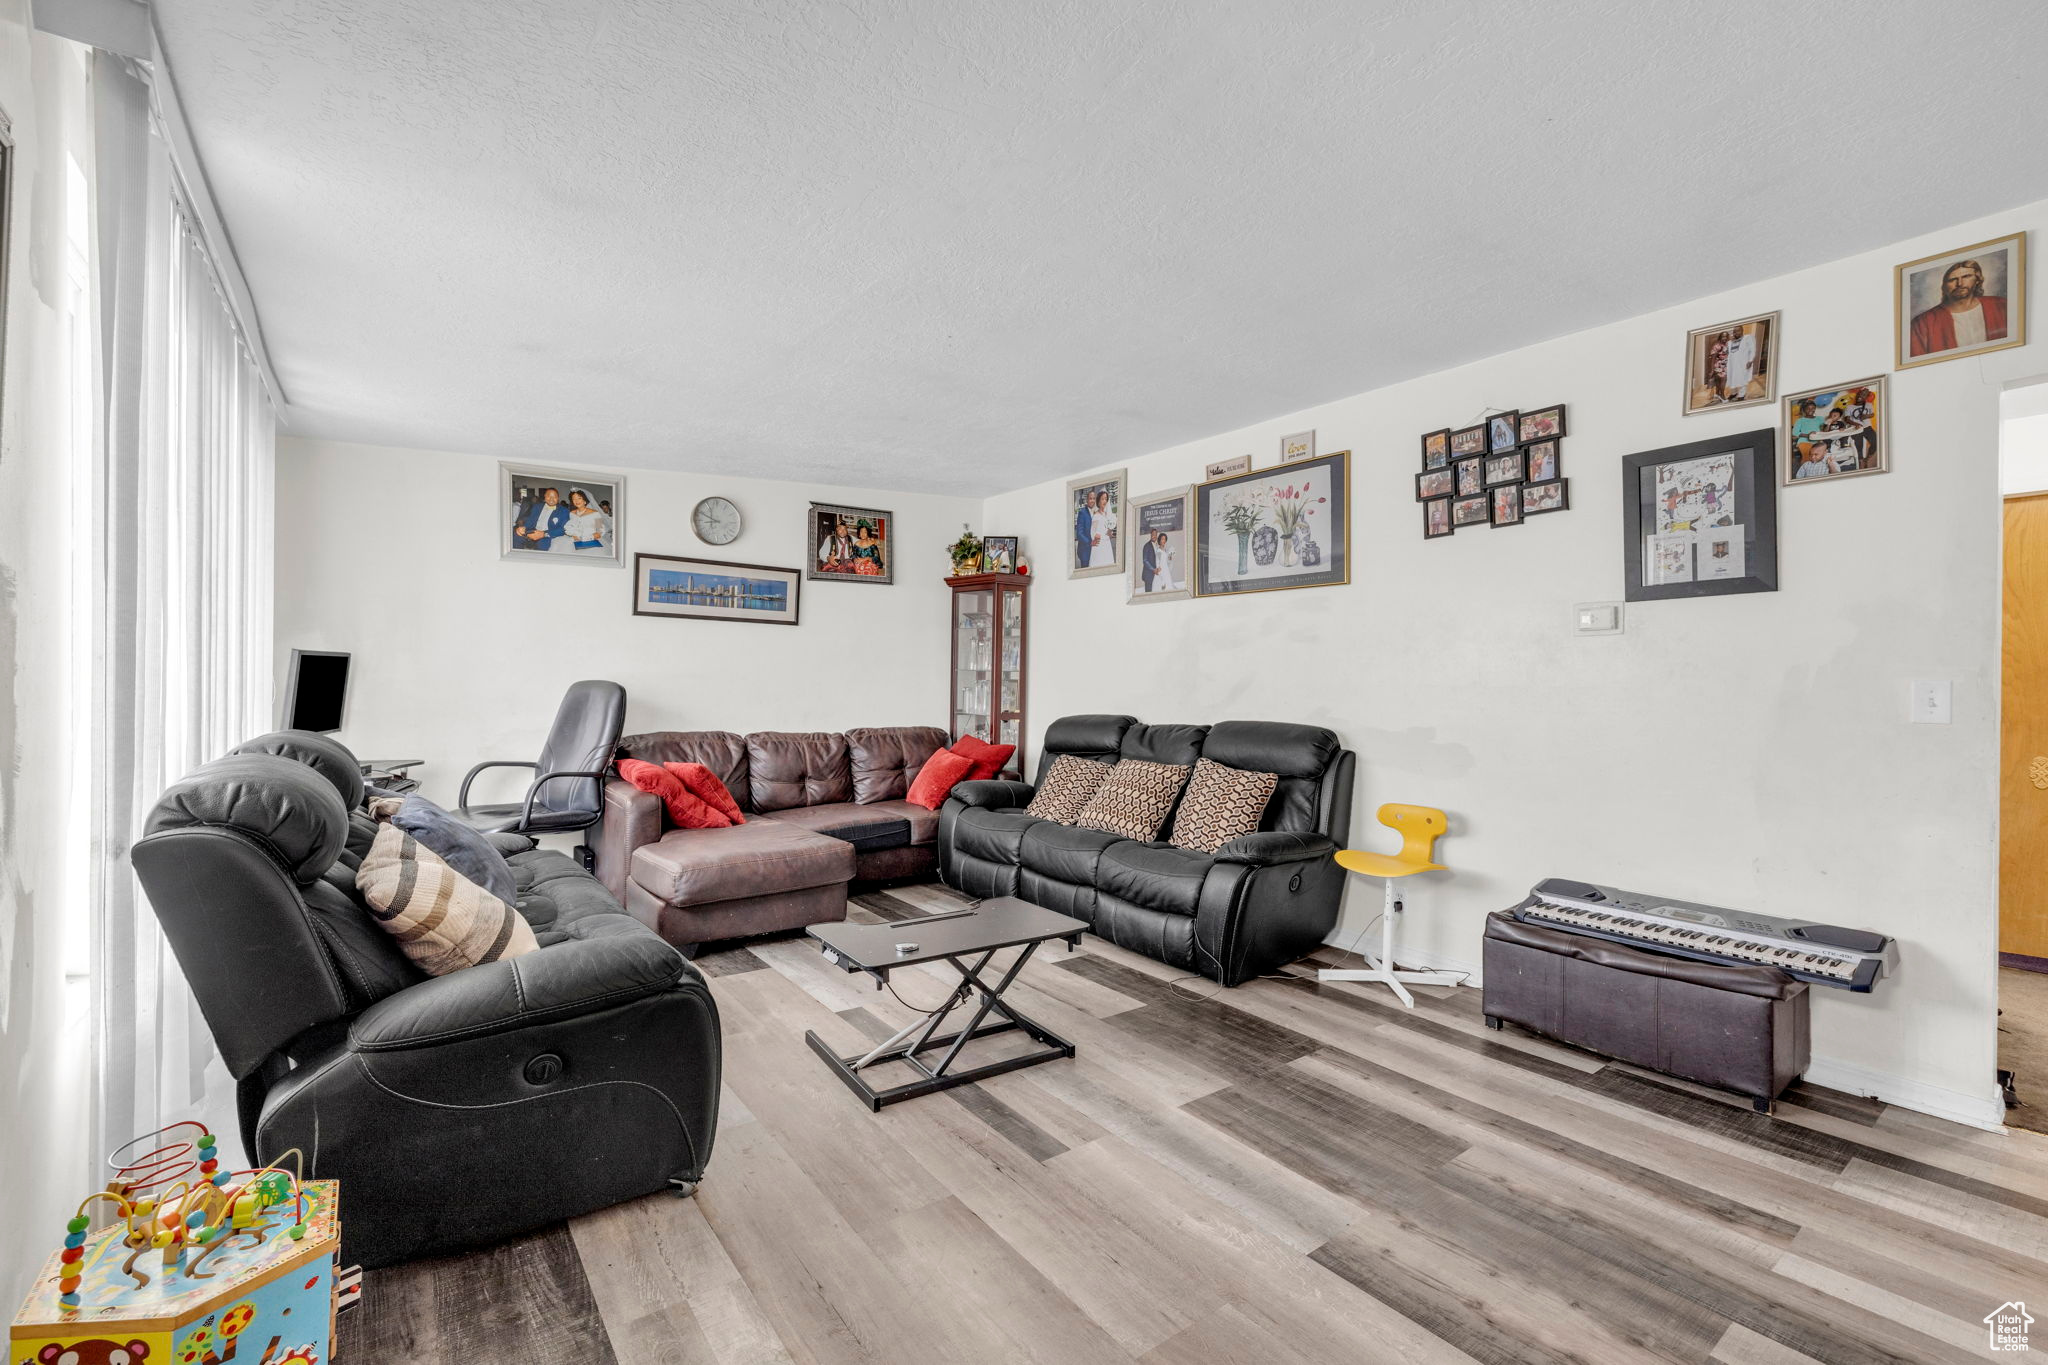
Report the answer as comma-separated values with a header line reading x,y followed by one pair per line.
x,y
1159,556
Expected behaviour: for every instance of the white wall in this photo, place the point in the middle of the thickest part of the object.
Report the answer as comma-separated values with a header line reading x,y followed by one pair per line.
x,y
44,1022
1749,750
460,656
2023,448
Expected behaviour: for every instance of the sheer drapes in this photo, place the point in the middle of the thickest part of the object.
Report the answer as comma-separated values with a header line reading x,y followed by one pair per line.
x,y
182,591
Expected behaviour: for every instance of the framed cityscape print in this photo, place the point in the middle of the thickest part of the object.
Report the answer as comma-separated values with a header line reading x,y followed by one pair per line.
x,y
854,544
1962,302
1159,549
1837,432
1702,518
1288,527
1731,364
709,590
1095,510
561,516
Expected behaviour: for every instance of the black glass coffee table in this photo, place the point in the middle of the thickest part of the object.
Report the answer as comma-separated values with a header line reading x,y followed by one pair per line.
x,y
952,938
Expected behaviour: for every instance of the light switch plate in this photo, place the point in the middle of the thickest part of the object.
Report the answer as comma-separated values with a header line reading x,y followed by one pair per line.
x,y
1596,618
1931,701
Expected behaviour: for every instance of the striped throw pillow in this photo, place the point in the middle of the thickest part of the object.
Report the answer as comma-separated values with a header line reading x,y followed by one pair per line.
x,y
442,920
1221,804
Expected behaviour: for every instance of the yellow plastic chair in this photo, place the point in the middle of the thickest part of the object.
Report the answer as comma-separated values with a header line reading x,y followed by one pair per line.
x,y
1419,827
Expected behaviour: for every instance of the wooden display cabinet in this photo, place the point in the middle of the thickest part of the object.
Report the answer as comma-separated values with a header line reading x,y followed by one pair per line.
x,y
991,644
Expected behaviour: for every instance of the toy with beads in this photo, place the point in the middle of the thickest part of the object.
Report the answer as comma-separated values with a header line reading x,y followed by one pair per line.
x,y
189,1254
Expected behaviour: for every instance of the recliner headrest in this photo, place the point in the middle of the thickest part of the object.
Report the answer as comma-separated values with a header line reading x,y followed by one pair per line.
x,y
286,807
1087,734
330,758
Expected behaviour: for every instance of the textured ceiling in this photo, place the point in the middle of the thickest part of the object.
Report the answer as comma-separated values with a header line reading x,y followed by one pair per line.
x,y
969,244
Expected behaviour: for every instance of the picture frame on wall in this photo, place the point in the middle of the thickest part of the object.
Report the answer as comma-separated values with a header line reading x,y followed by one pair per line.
x,y
999,554
1505,505
1161,547
1223,469
714,590
554,515
1470,511
1436,448
1701,518
1298,447
1540,461
1436,518
1471,476
1469,440
1962,302
1434,483
1836,432
1540,424
1552,495
1095,510
6,244
1503,432
1272,529
1731,364
850,544
1504,468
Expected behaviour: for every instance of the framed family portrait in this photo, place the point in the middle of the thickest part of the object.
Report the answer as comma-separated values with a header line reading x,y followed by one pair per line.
x,y
1702,518
1540,424
1471,476
1539,461
1472,511
1300,446
561,516
1962,302
1159,551
851,543
999,554
1553,495
1433,483
1505,468
1507,505
1288,527
710,590
1436,448
1436,518
1095,507
1836,432
1731,364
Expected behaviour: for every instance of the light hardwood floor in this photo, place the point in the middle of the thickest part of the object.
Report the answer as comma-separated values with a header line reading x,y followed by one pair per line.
x,y
1280,1174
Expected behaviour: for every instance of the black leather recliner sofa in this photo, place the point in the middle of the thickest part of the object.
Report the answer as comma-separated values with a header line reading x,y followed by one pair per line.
x,y
454,1110
1257,903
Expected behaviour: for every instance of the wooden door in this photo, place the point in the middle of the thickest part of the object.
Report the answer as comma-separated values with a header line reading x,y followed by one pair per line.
x,y
2023,765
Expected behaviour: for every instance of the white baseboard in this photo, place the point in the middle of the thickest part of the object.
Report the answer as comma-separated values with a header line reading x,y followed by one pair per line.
x,y
1958,1106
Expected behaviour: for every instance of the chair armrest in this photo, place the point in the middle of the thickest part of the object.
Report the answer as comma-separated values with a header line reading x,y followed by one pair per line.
x,y
607,960
509,844
462,797
1274,847
992,794
533,792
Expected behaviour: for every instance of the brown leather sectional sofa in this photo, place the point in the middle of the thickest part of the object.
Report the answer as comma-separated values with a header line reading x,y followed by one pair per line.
x,y
823,810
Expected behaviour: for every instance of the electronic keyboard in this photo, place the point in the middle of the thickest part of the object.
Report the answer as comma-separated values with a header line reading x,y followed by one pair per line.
x,y
1826,954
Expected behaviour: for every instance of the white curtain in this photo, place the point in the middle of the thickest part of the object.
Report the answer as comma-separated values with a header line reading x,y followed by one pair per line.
x,y
182,591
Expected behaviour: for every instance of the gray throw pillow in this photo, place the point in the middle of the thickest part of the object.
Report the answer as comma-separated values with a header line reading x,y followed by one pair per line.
x,y
461,846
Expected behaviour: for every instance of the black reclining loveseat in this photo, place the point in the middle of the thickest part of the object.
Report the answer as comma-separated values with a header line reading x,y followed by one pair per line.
x,y
454,1110
1259,902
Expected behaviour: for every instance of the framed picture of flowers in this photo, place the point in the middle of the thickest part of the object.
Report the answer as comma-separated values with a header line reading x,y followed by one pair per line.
x,y
1287,527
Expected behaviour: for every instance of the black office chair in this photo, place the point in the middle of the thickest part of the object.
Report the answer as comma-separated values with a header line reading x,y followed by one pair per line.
x,y
567,792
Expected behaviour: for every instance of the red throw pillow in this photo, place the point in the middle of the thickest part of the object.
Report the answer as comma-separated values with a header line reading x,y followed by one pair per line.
x,y
939,775
705,786
988,759
685,810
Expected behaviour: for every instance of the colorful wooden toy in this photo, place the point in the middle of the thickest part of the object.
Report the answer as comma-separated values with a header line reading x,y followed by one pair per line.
x,y
199,1266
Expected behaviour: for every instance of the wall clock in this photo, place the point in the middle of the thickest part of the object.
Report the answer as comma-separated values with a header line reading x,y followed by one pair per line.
x,y
717,521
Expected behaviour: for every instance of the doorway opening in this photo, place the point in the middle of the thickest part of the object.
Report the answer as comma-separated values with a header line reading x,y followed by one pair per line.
x,y
2023,760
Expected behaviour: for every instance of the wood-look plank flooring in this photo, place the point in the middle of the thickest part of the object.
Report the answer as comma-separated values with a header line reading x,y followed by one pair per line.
x,y
1285,1173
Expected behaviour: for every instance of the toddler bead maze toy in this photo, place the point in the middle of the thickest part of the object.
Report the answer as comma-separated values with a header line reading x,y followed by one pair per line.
x,y
195,1257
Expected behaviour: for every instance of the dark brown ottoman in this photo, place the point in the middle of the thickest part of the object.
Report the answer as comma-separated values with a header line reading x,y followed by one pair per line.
x,y
1740,1027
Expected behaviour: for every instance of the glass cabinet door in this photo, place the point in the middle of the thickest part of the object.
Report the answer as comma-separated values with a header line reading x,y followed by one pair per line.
x,y
974,643
1012,670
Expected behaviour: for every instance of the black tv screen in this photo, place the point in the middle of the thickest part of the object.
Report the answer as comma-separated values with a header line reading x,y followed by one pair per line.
x,y
317,691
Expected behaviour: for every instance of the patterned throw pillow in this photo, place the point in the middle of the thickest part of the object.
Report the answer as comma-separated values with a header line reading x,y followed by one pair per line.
x,y
1068,785
442,920
1135,799
1221,804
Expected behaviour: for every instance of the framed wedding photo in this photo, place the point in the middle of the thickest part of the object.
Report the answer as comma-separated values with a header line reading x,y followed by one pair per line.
x,y
1436,518
1288,527
1095,509
1436,448
852,544
1159,555
1962,302
1469,440
1503,431
561,516
1702,518
1731,364
999,554
711,590
1837,432
1540,424
1433,483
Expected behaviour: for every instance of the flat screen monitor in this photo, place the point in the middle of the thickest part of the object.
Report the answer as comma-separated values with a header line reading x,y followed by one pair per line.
x,y
317,691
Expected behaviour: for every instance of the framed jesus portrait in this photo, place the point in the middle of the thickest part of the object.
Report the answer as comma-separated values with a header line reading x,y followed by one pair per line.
x,y
1962,302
